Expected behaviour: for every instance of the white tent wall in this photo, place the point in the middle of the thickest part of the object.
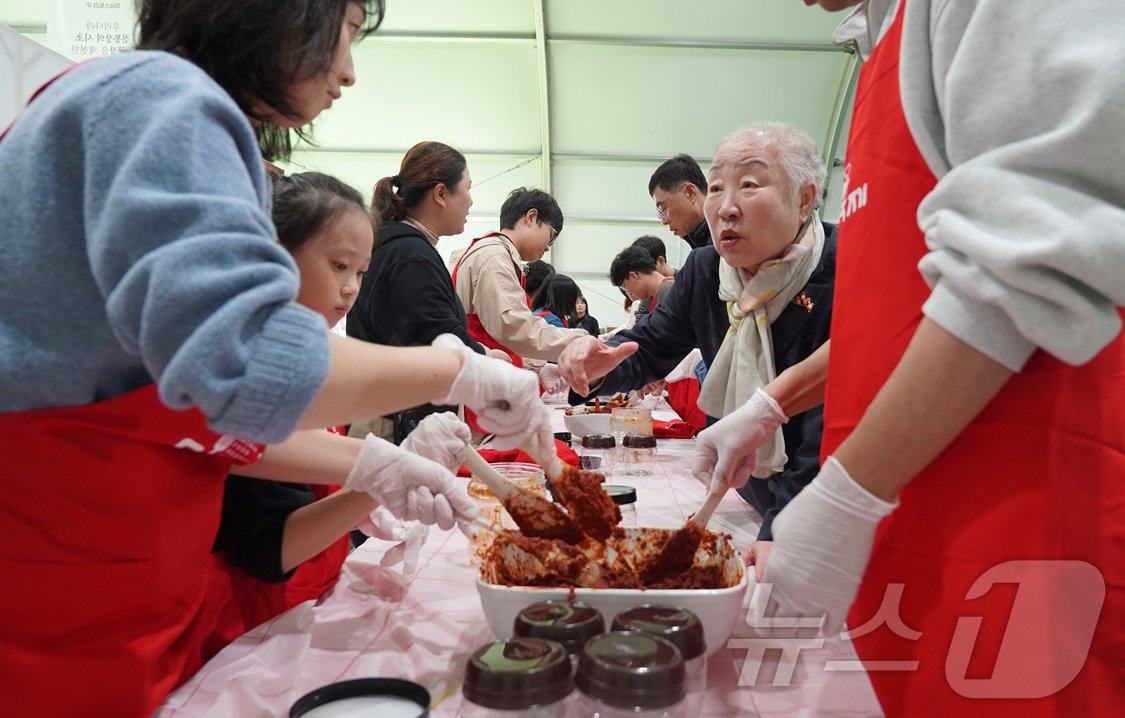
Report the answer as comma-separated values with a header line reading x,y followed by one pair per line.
x,y
582,97
25,64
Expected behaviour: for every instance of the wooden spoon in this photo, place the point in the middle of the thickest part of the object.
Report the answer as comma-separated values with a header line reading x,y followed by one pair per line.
x,y
678,553
535,515
591,509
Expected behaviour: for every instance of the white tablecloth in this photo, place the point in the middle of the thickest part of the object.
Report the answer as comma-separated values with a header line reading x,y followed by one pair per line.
x,y
379,622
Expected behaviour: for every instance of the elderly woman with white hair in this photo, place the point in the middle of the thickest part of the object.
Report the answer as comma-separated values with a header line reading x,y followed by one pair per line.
x,y
756,303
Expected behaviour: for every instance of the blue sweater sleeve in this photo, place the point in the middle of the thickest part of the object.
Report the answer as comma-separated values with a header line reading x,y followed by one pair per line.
x,y
182,258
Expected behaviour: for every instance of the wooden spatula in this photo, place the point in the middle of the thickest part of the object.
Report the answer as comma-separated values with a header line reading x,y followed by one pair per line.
x,y
591,509
678,553
534,514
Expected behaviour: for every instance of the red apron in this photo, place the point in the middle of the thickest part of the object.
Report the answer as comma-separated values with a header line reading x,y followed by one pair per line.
x,y
476,329
107,538
243,602
1038,476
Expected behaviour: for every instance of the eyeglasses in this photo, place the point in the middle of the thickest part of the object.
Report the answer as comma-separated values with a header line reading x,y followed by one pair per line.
x,y
661,212
554,235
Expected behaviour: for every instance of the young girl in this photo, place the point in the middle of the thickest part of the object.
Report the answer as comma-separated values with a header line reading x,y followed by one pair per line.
x,y
280,544
133,196
556,300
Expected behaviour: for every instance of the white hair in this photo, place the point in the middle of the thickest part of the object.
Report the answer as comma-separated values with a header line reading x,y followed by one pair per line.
x,y
796,151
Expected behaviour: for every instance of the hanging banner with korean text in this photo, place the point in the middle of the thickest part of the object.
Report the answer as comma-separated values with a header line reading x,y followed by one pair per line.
x,y
82,29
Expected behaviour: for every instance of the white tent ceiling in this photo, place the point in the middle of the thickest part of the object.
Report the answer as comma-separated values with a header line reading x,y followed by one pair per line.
x,y
582,97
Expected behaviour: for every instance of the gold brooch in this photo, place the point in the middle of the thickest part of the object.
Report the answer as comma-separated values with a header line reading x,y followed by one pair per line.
x,y
803,300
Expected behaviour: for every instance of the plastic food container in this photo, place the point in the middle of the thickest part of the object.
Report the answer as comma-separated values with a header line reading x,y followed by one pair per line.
x,y
627,674
524,677
682,629
528,476
630,420
598,453
626,499
570,623
638,454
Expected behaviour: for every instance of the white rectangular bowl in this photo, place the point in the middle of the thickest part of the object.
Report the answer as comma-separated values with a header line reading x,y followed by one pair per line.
x,y
718,609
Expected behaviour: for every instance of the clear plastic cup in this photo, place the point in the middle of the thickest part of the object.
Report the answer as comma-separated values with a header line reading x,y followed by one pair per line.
x,y
528,476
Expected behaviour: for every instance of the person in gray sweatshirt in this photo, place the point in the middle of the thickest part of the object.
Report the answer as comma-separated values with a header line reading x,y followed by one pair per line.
x,y
974,433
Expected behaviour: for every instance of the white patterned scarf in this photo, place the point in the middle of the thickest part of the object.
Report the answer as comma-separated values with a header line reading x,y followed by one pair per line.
x,y
745,359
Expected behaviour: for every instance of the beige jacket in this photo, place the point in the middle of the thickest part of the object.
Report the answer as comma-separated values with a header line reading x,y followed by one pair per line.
x,y
488,284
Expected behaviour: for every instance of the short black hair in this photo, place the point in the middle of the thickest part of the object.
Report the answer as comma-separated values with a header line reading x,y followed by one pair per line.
x,y
653,245
534,275
254,49
673,173
305,203
522,200
630,259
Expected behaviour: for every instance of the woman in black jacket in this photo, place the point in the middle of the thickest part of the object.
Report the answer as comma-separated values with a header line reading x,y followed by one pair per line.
x,y
582,320
407,298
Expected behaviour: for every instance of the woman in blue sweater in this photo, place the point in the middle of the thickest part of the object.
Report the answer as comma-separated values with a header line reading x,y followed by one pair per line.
x,y
151,339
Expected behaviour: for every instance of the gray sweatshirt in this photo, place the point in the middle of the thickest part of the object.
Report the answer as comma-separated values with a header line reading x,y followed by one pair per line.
x,y
136,246
1019,111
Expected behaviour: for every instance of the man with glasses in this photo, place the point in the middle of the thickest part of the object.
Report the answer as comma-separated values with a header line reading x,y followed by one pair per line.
x,y
678,188
488,278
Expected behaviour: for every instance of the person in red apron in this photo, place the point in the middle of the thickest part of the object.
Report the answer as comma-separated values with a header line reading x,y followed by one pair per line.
x,y
171,327
267,558
971,501
488,279
280,544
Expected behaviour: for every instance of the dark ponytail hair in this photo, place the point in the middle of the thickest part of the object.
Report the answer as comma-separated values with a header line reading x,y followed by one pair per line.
x,y
304,204
425,166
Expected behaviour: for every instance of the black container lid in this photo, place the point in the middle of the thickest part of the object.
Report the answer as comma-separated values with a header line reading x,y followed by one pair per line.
x,y
639,441
625,669
677,625
363,688
598,441
621,494
571,623
518,673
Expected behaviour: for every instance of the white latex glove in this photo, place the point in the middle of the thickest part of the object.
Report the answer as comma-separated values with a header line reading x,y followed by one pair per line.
x,y
587,359
441,438
725,450
505,398
409,486
551,379
382,524
821,543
